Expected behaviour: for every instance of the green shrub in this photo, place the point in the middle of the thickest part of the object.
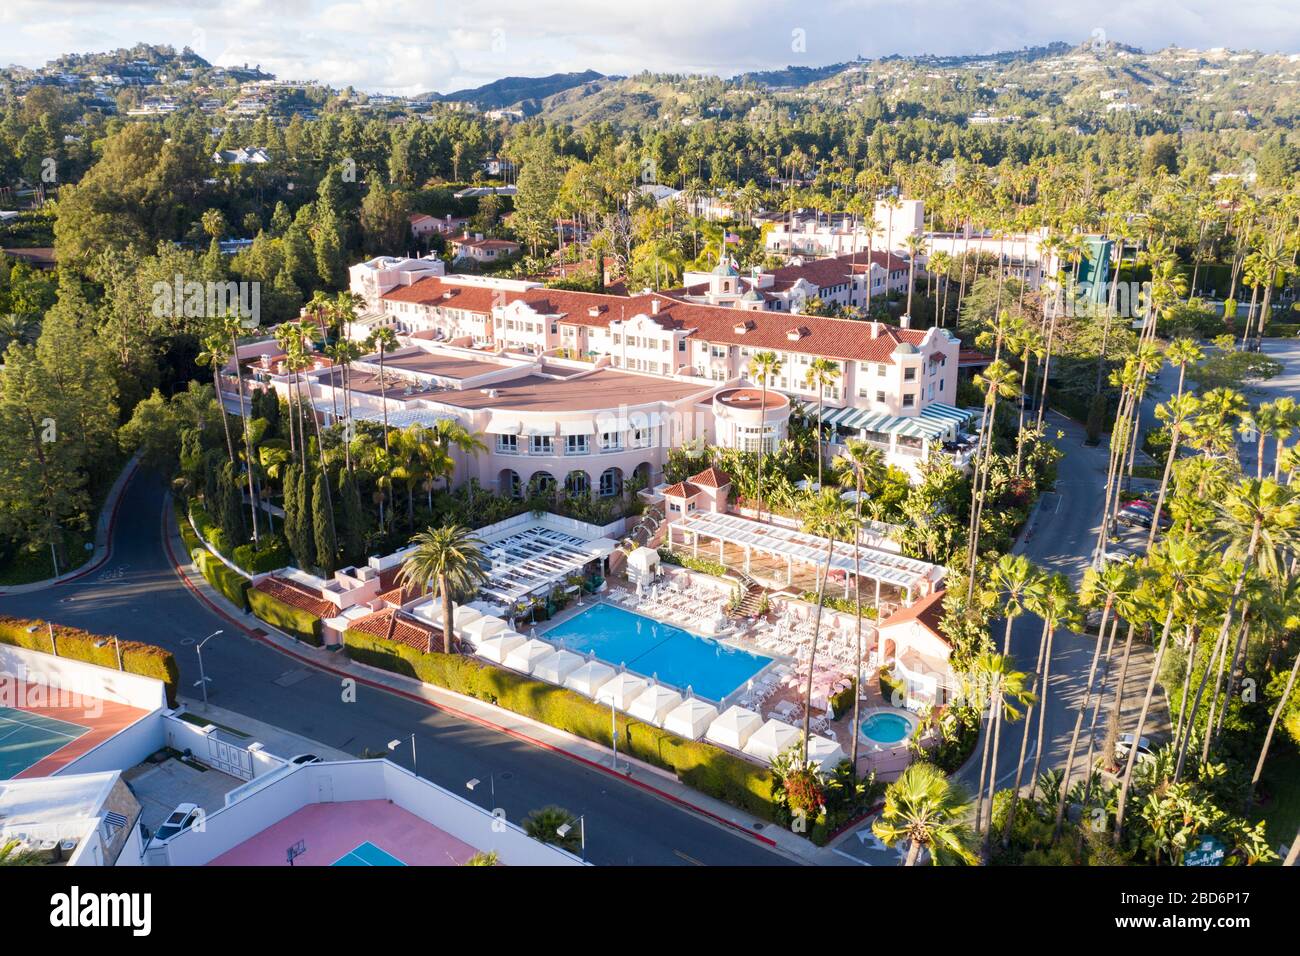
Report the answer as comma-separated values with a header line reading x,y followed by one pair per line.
x,y
843,604
889,687
232,585
271,554
703,766
78,645
188,537
293,621
842,702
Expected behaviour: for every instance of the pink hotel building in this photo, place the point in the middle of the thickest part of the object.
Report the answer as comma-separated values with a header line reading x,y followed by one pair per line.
x,y
584,390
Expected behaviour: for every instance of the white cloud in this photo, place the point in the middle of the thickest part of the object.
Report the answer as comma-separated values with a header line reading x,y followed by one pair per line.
x,y
408,45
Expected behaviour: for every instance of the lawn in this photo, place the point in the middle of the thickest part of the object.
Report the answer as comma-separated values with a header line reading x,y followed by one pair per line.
x,y
1281,782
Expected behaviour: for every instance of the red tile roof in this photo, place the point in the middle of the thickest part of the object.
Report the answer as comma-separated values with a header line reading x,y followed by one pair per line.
x,y
295,595
710,478
926,611
395,625
683,489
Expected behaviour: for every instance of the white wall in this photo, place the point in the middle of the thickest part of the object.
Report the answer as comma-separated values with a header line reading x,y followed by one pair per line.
x,y
79,677
359,780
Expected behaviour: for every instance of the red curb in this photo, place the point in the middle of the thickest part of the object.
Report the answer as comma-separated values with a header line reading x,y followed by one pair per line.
x,y
663,794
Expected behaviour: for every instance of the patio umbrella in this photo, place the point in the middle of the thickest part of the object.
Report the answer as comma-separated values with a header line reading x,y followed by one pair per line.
x,y
734,728
555,668
771,739
496,648
622,690
690,718
525,657
654,704
588,678
824,752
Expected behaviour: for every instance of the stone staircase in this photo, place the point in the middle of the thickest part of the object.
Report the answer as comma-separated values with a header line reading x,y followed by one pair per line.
x,y
752,600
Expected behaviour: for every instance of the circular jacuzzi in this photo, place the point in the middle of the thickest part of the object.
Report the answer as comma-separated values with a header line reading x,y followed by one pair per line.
x,y
887,727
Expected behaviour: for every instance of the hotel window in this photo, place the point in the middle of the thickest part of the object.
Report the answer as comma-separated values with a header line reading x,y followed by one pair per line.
x,y
909,374
575,444
717,351
508,444
909,400
941,385
542,444
880,397
611,441
610,483
880,370
639,438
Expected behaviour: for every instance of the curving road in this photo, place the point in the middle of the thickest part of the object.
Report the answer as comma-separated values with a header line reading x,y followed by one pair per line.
x,y
137,594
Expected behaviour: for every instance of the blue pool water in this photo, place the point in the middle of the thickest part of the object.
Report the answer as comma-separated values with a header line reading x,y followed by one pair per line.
x,y
650,647
886,728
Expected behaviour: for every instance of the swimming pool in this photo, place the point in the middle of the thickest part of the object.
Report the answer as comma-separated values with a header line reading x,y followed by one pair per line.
x,y
659,650
887,728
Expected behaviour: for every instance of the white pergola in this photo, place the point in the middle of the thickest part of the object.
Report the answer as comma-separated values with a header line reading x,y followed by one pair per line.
x,y
882,567
536,558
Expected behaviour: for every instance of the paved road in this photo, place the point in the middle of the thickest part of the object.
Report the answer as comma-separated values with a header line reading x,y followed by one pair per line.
x,y
138,595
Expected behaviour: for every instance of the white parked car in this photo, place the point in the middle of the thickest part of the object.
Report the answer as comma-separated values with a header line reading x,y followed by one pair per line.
x,y
180,820
1125,741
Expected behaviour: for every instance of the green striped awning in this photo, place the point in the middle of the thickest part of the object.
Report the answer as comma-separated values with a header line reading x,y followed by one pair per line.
x,y
935,420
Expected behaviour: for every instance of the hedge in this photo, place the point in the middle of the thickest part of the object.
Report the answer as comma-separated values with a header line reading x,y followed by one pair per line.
x,y
233,585
293,621
75,644
703,766
271,554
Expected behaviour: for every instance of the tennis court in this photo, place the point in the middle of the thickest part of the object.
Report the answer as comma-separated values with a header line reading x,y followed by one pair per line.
x,y
367,854
26,738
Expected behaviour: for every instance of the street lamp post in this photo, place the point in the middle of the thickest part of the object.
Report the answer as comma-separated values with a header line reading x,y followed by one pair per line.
x,y
203,678
472,785
565,829
415,766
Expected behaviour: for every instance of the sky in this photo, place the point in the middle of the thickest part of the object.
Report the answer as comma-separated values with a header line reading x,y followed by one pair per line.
x,y
412,46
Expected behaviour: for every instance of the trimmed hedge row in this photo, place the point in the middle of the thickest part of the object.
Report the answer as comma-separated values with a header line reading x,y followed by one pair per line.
x,y
234,586
703,766
148,660
293,621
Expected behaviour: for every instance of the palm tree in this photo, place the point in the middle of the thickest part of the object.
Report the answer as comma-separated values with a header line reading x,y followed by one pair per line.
x,y
866,467
544,825
232,326
997,380
764,367
1183,573
450,434
822,373
827,517
1272,726
1007,689
452,557
383,340
1176,414
1181,353
215,353
1272,420
928,810
1058,607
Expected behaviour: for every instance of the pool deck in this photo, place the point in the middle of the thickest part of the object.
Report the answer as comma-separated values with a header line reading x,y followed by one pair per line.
x,y
332,830
103,719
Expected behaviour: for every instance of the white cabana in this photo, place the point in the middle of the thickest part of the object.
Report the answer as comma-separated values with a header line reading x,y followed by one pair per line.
x,y
622,691
483,627
654,704
773,738
496,648
691,718
589,678
642,564
462,617
526,656
825,752
734,728
558,666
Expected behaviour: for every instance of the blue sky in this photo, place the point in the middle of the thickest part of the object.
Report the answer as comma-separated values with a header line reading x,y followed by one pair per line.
x,y
409,46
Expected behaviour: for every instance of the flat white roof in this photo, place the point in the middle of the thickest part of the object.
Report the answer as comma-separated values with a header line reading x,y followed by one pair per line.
x,y
536,557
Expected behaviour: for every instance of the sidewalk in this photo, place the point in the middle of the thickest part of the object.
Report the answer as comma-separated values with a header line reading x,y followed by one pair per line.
x,y
652,779
277,741
103,536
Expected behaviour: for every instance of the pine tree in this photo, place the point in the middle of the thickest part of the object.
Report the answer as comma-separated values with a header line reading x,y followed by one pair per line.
x,y
231,513
301,542
352,531
326,543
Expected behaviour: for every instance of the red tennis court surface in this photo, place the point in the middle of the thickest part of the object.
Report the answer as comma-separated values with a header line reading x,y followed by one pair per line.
x,y
331,830
103,719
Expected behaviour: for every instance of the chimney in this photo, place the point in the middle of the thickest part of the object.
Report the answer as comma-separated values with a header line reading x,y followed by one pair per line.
x,y
875,329
654,306
905,321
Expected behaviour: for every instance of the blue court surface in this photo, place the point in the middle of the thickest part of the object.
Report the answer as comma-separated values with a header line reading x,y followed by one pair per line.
x,y
27,738
367,854
652,648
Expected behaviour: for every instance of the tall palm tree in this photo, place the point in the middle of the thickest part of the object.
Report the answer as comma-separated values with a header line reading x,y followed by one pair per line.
x,y
915,244
450,434
866,468
998,381
383,340
1183,573
928,810
1181,353
453,557
232,325
1007,689
822,373
1272,726
828,517
1176,413
764,367
1058,607
1100,588
214,354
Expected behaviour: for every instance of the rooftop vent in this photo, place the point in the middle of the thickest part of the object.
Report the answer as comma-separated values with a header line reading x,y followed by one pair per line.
x,y
596,310
741,328
798,332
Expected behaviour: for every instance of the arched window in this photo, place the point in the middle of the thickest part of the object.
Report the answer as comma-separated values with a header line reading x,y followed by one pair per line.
x,y
611,483
577,484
